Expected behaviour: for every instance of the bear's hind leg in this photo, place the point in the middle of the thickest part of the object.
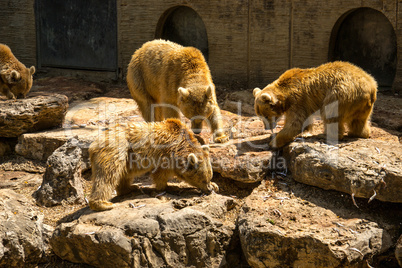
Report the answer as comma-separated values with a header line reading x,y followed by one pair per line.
x,y
100,194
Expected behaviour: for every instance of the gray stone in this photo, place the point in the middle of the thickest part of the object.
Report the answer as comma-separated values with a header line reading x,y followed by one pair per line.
x,y
62,178
84,120
398,251
41,145
364,167
148,232
302,226
31,114
247,160
23,236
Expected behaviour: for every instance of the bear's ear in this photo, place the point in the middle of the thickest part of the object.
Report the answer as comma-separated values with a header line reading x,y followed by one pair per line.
x,y
15,76
183,92
266,97
208,92
256,91
32,70
192,159
205,148
10,77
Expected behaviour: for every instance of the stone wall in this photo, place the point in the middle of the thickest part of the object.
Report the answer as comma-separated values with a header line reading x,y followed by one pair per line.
x,y
250,42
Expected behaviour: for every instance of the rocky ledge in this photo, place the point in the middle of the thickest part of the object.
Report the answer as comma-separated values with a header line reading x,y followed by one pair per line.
x,y
32,114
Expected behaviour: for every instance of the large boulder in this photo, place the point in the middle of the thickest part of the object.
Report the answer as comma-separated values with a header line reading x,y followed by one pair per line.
x,y
62,179
31,114
289,224
148,232
364,167
23,236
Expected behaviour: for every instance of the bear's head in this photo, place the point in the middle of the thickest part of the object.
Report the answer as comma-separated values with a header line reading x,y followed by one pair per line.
x,y
197,103
268,105
19,81
197,170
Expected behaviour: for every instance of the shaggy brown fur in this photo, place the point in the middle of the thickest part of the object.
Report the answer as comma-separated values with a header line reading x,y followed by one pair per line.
x,y
15,78
165,78
166,149
343,93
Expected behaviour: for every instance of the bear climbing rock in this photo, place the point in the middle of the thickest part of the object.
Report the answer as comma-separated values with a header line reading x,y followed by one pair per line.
x,y
165,78
343,94
165,149
15,78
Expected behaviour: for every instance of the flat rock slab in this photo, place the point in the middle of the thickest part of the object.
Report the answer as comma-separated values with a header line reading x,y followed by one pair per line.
x,y
148,232
102,111
23,236
366,168
288,224
84,120
41,145
32,114
247,160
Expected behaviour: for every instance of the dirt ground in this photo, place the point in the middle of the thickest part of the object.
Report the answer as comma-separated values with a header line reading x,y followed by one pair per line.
x,y
387,122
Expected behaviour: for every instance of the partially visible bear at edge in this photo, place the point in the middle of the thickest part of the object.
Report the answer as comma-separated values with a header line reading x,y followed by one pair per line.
x,y
343,93
15,78
165,149
166,77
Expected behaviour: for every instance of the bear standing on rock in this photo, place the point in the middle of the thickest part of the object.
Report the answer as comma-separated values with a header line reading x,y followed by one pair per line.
x,y
166,149
342,92
15,78
165,78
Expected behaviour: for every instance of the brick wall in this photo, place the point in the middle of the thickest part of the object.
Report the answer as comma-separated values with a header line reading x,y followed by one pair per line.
x,y
17,29
250,42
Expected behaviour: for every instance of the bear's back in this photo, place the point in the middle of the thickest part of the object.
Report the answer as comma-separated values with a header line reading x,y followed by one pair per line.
x,y
8,60
160,67
5,55
163,57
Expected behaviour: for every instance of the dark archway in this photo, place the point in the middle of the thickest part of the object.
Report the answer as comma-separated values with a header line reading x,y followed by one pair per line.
x,y
184,26
366,38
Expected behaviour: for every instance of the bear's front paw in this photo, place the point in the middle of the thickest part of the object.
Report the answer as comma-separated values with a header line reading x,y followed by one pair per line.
x,y
220,137
213,187
276,143
100,205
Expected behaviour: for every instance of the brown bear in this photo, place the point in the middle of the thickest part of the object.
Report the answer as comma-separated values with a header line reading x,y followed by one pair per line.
x,y
165,149
15,78
343,93
165,78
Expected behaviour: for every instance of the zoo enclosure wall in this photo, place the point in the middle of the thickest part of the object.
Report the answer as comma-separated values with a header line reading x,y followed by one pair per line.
x,y
250,43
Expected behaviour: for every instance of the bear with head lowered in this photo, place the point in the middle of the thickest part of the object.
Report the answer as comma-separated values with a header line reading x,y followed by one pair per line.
x,y
15,78
343,94
166,78
166,149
